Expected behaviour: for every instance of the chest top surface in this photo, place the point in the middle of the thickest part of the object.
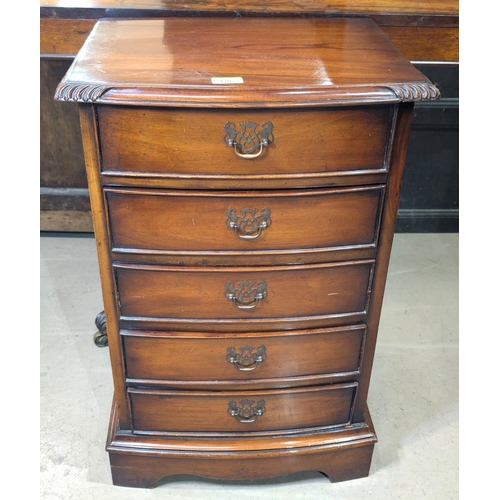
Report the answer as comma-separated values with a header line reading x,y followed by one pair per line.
x,y
241,62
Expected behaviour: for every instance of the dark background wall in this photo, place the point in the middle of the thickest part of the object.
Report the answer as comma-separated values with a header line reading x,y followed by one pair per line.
x,y
429,195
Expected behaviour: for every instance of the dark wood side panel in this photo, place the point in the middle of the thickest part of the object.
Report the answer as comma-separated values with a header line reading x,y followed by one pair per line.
x,y
209,357
165,142
109,295
185,411
153,221
201,294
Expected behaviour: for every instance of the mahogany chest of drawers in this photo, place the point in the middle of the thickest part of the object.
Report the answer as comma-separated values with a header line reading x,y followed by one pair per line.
x,y
244,178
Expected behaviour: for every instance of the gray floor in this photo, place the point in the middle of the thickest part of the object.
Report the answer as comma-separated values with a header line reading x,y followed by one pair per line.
x,y
413,395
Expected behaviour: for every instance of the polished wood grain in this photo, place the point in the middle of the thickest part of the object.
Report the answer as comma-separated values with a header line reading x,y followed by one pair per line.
x,y
65,25
183,222
185,411
306,143
176,294
176,358
308,61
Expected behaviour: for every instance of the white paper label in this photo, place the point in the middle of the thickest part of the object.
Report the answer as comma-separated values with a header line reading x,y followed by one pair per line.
x,y
226,79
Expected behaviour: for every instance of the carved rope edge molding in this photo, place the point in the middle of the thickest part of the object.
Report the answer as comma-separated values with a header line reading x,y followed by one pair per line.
x,y
410,92
416,92
79,92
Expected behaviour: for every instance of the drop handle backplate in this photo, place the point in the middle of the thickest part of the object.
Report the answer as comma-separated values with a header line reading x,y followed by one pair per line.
x,y
248,143
246,294
247,225
247,359
246,411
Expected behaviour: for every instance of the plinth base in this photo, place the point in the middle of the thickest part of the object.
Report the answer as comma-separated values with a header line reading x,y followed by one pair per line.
x,y
339,453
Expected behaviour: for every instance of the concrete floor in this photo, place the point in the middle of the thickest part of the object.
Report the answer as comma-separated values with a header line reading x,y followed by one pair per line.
x,y
413,395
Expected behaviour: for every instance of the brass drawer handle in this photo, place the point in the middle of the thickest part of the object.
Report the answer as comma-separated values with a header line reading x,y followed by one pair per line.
x,y
246,294
246,360
248,141
249,156
248,226
247,411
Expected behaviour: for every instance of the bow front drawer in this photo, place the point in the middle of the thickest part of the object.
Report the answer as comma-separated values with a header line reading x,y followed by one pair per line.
x,y
234,411
174,358
182,223
254,146
221,297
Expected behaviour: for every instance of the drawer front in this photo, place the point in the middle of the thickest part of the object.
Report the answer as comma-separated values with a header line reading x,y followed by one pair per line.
x,y
209,357
172,142
241,411
181,222
244,294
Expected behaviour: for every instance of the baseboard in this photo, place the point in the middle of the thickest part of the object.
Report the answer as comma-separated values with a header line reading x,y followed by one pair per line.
x,y
427,221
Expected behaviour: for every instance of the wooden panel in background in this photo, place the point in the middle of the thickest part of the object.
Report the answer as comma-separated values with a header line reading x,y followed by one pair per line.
x,y
61,151
66,221
374,7
64,198
64,24
425,44
64,36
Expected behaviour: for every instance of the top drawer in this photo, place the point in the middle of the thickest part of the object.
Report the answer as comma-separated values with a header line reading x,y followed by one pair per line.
x,y
293,147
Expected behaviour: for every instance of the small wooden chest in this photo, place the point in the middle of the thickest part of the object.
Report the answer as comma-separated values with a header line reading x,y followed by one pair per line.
x,y
244,178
